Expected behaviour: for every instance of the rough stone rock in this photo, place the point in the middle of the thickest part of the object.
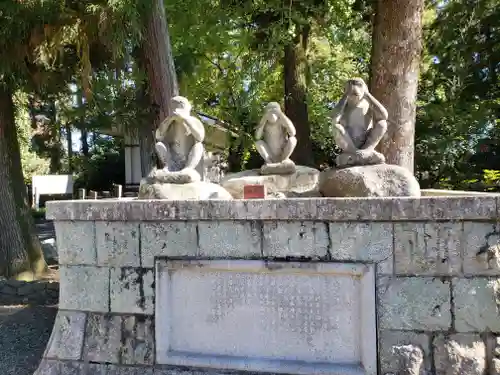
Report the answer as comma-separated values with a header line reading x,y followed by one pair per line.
x,y
396,347
346,159
495,360
151,189
459,355
410,358
285,167
304,182
381,180
176,177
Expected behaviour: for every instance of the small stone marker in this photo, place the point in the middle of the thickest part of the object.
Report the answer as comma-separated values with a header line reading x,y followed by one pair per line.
x,y
254,192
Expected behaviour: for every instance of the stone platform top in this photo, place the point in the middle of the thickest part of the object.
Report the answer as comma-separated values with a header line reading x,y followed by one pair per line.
x,y
330,209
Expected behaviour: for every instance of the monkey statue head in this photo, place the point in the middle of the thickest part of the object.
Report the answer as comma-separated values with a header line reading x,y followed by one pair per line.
x,y
273,110
181,105
355,89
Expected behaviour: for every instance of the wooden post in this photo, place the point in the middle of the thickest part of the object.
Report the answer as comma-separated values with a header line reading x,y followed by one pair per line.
x,y
81,194
118,190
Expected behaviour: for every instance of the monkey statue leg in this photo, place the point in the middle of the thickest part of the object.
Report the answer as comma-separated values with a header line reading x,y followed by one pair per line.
x,y
264,151
194,156
375,135
343,140
288,149
163,154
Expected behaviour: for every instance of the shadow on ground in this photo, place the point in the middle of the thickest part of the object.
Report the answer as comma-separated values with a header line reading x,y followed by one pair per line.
x,y
24,333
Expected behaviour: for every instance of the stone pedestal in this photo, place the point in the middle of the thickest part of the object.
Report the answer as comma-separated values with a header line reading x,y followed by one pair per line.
x,y
304,182
381,180
201,190
276,286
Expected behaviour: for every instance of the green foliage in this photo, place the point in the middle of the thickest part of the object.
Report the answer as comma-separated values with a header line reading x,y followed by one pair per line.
x,y
104,167
227,74
32,164
459,93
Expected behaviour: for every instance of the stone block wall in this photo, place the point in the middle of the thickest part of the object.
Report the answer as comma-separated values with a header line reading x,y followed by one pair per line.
x,y
437,273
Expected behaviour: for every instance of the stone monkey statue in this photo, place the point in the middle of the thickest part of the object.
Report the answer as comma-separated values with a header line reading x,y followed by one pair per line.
x,y
275,141
179,148
360,122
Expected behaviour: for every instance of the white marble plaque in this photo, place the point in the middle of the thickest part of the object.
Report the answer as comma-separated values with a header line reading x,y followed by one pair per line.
x,y
288,317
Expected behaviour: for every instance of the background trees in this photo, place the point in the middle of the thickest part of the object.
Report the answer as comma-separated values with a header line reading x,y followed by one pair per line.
x,y
74,75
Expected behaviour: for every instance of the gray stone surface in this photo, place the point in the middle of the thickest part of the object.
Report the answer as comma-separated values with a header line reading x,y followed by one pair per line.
x,y
138,347
96,369
482,248
129,370
381,180
117,244
56,367
282,239
102,338
476,304
370,242
231,239
173,238
84,288
76,242
445,208
411,303
459,355
305,182
200,190
428,249
262,310
340,209
132,291
390,359
66,340
49,367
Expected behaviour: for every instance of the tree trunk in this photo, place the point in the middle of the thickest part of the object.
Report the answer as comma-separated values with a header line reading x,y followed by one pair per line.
x,y
84,135
84,138
295,69
55,139
21,254
157,61
69,139
396,52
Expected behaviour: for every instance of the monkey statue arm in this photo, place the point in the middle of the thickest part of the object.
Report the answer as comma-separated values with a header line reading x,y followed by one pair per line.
x,y
260,128
163,128
288,125
378,109
338,110
195,127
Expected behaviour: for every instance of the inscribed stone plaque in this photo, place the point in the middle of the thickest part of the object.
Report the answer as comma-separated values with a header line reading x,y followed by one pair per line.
x,y
289,317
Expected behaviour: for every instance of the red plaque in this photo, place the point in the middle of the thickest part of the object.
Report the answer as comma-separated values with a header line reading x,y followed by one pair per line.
x,y
254,192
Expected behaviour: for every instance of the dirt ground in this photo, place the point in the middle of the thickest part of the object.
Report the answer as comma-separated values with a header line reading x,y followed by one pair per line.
x,y
25,330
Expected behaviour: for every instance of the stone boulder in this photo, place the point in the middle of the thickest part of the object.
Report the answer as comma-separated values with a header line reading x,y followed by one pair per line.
x,y
304,182
201,190
459,354
381,180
